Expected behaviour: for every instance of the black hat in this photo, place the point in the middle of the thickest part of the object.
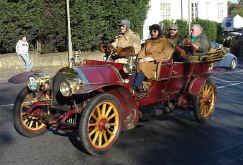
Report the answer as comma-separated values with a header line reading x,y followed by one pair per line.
x,y
156,27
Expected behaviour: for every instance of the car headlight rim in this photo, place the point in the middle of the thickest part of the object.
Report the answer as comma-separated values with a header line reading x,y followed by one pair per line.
x,y
65,88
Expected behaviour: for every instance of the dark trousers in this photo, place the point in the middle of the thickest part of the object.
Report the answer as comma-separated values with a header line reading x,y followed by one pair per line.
x,y
137,80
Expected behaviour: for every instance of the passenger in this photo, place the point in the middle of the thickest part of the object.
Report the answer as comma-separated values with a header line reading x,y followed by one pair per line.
x,y
156,49
199,42
174,36
176,40
127,38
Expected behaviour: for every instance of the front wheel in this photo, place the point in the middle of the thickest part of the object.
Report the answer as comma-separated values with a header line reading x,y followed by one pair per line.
x,y
101,124
28,124
204,103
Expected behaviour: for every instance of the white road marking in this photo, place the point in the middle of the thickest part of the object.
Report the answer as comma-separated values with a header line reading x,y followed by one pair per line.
x,y
6,105
229,83
233,84
226,81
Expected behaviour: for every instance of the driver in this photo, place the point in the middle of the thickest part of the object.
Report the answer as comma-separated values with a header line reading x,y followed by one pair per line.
x,y
156,49
127,38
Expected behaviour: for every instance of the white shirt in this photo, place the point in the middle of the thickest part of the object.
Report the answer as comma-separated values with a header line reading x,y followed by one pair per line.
x,y
22,47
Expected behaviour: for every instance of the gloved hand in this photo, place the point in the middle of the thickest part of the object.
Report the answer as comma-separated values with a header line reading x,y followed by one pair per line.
x,y
126,52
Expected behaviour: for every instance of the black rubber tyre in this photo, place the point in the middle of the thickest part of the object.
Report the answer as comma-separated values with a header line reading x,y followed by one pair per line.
x,y
101,124
27,125
204,103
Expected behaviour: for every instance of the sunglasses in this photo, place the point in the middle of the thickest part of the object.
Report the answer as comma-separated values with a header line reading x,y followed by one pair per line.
x,y
154,31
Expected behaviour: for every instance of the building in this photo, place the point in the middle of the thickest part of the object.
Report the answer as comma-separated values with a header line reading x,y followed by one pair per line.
x,y
159,10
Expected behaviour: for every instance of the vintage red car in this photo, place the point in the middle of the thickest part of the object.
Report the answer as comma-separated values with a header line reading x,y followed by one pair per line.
x,y
95,99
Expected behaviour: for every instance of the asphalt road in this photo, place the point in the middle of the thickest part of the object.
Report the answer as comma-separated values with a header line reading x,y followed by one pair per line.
x,y
173,140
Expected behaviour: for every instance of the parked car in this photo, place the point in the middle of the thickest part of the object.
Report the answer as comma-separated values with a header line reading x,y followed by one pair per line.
x,y
229,62
95,100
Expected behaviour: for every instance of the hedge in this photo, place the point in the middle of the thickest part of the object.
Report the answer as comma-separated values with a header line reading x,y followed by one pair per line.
x,y
211,29
92,22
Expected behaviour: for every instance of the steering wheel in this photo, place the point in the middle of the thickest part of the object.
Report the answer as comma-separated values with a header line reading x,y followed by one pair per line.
x,y
109,50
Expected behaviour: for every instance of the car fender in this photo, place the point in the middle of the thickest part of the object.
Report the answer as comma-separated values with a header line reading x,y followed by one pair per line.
x,y
195,85
20,78
93,77
229,58
129,106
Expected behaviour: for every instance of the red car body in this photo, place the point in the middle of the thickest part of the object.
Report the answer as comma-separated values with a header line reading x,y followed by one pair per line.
x,y
99,101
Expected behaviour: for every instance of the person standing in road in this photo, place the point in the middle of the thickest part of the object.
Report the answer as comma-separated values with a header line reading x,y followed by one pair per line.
x,y
22,49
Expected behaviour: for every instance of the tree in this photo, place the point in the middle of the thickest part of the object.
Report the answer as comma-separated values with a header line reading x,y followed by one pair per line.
x,y
92,22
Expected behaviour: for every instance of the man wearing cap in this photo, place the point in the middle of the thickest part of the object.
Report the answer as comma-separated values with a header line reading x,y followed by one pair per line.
x,y
127,37
174,36
156,49
176,40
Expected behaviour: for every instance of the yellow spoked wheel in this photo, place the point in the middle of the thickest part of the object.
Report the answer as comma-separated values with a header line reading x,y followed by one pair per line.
x,y
204,104
27,124
100,124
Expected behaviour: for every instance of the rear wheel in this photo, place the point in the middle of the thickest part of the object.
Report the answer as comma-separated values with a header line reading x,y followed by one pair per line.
x,y
204,103
101,124
28,125
233,64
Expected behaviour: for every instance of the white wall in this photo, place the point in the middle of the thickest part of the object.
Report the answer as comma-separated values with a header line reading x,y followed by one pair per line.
x,y
153,17
207,9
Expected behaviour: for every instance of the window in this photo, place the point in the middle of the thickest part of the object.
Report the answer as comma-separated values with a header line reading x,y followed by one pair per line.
x,y
165,10
207,10
220,10
194,10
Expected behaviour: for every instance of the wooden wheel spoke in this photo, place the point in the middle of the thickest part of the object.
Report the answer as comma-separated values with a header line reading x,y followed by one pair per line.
x,y
99,113
108,111
100,138
31,123
25,121
92,124
113,124
37,124
35,99
93,131
206,110
95,137
105,137
109,131
28,98
103,109
26,106
94,117
112,116
201,102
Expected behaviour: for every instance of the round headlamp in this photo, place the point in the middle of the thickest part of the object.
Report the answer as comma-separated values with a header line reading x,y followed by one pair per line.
x,y
32,83
65,88
129,68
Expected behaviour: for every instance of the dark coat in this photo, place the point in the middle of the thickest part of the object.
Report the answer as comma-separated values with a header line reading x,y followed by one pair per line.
x,y
204,45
